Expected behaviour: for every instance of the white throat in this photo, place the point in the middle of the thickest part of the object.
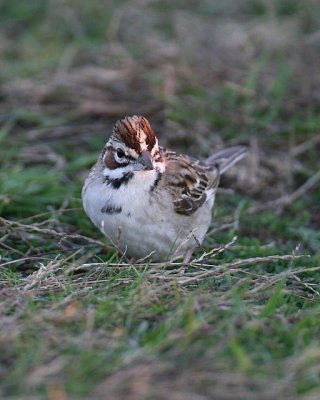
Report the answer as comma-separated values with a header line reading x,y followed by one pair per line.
x,y
117,173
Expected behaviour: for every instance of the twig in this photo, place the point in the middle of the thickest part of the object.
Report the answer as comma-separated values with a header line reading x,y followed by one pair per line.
x,y
22,259
281,275
50,232
237,264
305,146
214,252
287,199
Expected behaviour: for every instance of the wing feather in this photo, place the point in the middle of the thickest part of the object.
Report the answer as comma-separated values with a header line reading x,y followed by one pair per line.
x,y
189,182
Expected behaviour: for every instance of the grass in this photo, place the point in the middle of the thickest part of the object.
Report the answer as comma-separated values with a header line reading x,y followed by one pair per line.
x,y
77,320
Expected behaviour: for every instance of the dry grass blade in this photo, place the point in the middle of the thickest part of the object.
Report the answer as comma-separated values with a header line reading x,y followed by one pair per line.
x,y
46,231
214,252
236,265
278,277
42,274
305,146
287,199
308,185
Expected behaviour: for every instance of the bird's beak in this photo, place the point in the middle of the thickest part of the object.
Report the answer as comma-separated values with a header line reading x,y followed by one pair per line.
x,y
145,159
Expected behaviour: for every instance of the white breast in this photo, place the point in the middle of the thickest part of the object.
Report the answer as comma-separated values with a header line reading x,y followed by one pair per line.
x,y
147,221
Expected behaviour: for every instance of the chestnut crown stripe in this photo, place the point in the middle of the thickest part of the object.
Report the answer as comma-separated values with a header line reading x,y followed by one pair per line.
x,y
128,131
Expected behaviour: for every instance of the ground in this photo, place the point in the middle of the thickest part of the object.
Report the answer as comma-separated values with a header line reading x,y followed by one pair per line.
x,y
241,322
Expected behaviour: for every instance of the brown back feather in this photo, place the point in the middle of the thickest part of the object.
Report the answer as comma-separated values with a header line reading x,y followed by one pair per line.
x,y
188,181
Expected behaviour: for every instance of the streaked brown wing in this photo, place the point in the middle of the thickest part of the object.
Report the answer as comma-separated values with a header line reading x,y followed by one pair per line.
x,y
188,182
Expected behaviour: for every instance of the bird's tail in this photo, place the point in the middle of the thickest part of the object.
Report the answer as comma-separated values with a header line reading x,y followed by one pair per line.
x,y
226,158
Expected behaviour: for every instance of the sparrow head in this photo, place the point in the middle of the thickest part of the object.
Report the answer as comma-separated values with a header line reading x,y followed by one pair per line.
x,y
133,144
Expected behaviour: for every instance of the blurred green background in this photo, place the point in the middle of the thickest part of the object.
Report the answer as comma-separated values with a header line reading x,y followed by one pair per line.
x,y
206,74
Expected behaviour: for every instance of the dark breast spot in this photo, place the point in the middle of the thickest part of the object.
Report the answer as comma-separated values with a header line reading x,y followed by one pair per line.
x,y
107,209
117,182
156,182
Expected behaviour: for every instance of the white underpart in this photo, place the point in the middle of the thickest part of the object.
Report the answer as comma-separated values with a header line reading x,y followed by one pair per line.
x,y
147,221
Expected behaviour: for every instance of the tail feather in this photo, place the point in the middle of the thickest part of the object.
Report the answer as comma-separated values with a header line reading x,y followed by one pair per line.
x,y
226,158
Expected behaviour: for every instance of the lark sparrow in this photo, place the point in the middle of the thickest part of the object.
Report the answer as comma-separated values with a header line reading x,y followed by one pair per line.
x,y
149,200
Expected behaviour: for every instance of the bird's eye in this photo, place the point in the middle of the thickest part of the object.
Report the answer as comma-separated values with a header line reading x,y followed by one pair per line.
x,y
120,153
